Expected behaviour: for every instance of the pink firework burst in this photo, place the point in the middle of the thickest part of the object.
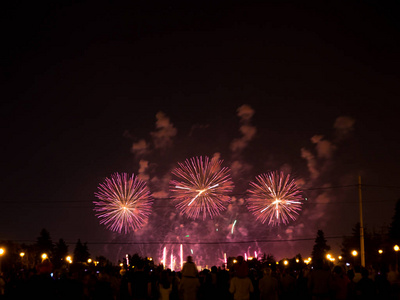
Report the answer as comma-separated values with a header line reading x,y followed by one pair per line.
x,y
201,187
124,203
275,198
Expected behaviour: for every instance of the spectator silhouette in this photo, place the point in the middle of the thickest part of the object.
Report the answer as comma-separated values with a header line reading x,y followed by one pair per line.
x,y
339,283
241,285
319,281
164,286
366,286
190,283
268,286
139,285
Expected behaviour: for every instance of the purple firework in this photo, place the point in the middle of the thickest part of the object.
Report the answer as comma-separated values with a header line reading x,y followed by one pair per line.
x,y
274,198
124,203
201,187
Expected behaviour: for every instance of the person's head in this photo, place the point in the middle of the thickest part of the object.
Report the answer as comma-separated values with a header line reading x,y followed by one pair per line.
x,y
189,259
364,273
350,274
267,271
338,270
140,265
240,259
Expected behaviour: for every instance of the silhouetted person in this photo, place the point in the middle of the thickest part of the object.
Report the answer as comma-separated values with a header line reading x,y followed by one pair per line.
x,y
382,285
241,285
288,283
339,283
138,285
241,268
190,283
164,286
319,281
268,286
366,286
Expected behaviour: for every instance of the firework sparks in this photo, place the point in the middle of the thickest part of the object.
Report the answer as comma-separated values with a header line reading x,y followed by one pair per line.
x,y
201,187
274,198
124,203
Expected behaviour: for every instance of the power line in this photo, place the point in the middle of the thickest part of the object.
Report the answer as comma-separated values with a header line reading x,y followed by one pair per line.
x,y
219,242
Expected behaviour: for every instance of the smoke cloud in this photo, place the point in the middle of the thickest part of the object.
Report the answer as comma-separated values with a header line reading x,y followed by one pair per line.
x,y
245,113
162,137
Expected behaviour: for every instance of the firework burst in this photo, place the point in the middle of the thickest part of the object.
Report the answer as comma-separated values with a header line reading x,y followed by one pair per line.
x,y
124,203
274,198
201,187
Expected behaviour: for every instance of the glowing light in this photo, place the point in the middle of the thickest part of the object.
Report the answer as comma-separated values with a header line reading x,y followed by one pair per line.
x,y
181,256
328,256
201,187
2,251
380,251
340,257
285,262
89,260
255,254
274,198
233,226
22,254
172,262
354,253
225,260
245,256
164,257
69,259
396,248
124,203
44,256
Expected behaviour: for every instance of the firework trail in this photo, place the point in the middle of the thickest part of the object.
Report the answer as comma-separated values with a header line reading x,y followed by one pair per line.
x,y
124,203
201,187
274,198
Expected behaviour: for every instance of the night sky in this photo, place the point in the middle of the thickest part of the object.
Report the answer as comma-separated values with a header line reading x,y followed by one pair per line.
x,y
93,89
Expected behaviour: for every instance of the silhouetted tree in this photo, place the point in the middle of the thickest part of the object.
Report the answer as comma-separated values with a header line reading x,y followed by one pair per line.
x,y
320,248
394,229
44,244
60,253
81,252
350,243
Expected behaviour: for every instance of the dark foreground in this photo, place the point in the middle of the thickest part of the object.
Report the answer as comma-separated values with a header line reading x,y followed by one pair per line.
x,y
269,283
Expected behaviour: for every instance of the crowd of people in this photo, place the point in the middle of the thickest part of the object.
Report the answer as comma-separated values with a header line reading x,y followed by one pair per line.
x,y
241,282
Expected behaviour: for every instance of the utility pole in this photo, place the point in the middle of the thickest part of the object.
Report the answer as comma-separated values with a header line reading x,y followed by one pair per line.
x,y
362,250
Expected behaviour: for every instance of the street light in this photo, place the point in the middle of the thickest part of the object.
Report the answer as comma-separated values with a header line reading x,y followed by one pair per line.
x,y
328,256
285,262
